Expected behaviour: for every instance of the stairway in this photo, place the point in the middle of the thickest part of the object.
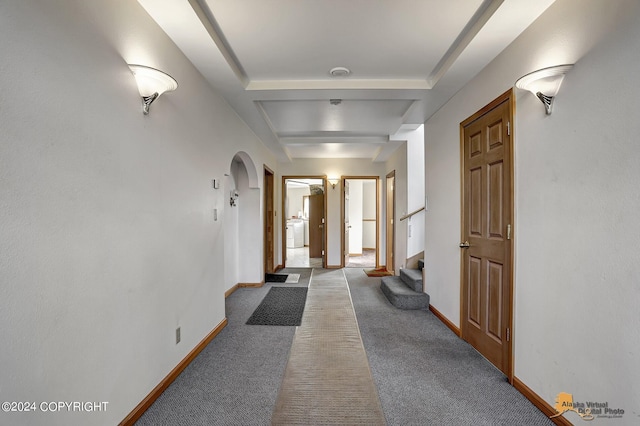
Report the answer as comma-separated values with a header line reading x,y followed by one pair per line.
x,y
405,291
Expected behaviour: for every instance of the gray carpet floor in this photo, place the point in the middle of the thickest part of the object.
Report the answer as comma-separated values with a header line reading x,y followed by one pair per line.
x,y
425,375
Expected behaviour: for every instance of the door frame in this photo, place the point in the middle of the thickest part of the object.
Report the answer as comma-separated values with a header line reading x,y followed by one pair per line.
x,y
269,175
509,97
284,219
390,223
342,194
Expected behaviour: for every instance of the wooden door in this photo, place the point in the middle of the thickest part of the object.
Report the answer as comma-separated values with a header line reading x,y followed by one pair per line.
x,y
391,212
486,232
269,216
316,225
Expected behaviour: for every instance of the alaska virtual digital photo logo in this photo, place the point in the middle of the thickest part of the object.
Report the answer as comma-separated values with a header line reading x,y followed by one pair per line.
x,y
586,410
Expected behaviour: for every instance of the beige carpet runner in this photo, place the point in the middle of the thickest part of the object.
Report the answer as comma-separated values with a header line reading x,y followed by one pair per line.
x,y
327,380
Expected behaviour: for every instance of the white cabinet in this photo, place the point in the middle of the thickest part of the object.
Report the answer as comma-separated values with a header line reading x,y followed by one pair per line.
x,y
295,233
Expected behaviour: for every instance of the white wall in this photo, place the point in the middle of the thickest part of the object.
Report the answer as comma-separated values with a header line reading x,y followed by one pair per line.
x,y
415,191
294,200
415,168
106,221
369,212
576,325
332,167
362,209
231,221
355,216
249,206
398,163
413,227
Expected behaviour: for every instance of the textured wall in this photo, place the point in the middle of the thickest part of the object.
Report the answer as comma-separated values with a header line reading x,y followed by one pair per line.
x,y
106,221
576,247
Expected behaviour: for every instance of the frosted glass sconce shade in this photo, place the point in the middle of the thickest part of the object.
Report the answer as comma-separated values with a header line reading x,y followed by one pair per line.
x,y
333,182
151,84
544,83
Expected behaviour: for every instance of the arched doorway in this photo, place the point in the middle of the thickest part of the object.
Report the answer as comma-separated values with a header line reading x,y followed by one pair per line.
x,y
242,223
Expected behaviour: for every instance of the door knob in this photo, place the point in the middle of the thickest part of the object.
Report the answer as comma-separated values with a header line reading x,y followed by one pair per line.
x,y
465,244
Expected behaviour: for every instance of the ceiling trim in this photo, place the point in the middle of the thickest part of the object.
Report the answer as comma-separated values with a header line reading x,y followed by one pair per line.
x,y
479,19
332,138
211,25
272,129
409,109
346,83
265,117
477,22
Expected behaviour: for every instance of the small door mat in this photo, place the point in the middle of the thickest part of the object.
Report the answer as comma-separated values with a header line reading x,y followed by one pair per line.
x,y
281,306
292,279
275,278
380,272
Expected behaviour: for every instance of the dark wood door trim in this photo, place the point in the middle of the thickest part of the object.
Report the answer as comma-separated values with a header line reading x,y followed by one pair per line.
x,y
269,219
509,98
390,221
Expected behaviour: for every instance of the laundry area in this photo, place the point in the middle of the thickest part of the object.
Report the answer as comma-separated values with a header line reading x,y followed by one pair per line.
x,y
297,233
304,227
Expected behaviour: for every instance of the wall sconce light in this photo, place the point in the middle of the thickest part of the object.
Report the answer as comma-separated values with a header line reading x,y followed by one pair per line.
x,y
234,198
544,83
151,84
333,182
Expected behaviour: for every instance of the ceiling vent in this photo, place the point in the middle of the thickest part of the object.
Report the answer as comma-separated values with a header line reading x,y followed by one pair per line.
x,y
339,72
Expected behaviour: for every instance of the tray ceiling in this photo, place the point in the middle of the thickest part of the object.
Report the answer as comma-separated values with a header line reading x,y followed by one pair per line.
x,y
271,59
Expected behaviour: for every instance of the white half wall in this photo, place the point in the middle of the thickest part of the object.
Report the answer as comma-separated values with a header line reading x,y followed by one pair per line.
x,y
413,227
398,163
576,324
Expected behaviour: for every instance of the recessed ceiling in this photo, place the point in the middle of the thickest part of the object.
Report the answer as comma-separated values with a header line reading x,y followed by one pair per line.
x,y
271,60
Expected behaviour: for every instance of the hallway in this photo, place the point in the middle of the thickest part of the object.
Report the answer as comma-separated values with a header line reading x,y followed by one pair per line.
x,y
423,372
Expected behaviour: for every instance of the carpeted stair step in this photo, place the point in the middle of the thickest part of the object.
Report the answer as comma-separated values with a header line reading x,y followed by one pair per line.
x,y
402,296
412,278
421,264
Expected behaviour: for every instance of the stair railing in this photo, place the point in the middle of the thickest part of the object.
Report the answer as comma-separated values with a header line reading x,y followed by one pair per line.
x,y
406,216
